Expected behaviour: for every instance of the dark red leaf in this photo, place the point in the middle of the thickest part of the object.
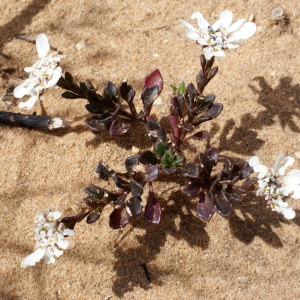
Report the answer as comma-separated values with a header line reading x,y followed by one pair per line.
x,y
152,209
119,127
205,207
199,136
191,189
154,78
174,122
118,218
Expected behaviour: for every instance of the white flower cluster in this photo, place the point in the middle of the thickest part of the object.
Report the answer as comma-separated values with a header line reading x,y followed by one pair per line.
x,y
220,35
44,74
49,234
274,187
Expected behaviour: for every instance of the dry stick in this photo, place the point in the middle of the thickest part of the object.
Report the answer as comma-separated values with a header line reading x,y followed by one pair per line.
x,y
42,122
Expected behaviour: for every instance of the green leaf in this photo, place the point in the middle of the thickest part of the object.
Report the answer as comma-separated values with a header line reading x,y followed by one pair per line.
x,y
160,148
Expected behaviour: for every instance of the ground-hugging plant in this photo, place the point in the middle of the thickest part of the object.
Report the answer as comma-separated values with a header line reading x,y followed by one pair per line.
x,y
114,110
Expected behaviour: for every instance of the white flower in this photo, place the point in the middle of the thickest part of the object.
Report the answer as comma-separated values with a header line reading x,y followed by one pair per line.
x,y
49,236
44,74
274,187
221,35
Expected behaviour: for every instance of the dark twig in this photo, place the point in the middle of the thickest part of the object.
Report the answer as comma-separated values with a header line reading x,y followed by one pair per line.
x,y
146,273
42,122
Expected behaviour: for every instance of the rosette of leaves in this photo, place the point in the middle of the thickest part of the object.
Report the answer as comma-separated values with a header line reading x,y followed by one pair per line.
x,y
126,200
217,191
110,114
191,107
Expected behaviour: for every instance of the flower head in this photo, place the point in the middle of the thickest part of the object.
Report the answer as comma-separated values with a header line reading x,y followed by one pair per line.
x,y
274,187
221,35
49,238
43,74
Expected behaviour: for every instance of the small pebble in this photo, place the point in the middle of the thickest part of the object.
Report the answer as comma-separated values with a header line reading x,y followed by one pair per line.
x,y
277,14
135,150
158,101
80,45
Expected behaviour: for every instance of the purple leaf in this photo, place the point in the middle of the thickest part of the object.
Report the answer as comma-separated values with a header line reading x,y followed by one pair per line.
x,y
191,189
155,132
93,217
212,154
152,209
118,218
178,105
130,162
100,123
206,163
205,207
222,207
189,170
119,127
174,122
151,173
134,206
212,112
199,136
154,78
136,188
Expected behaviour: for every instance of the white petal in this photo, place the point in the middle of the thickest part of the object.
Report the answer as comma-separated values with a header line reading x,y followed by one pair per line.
x,y
245,32
192,35
29,103
198,16
226,18
56,214
278,161
288,161
20,91
207,53
219,53
292,177
68,231
216,25
203,23
288,213
232,46
257,167
28,69
236,25
42,45
202,41
187,25
292,188
58,252
33,258
63,244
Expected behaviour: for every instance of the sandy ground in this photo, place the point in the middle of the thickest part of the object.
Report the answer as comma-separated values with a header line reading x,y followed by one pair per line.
x,y
254,254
